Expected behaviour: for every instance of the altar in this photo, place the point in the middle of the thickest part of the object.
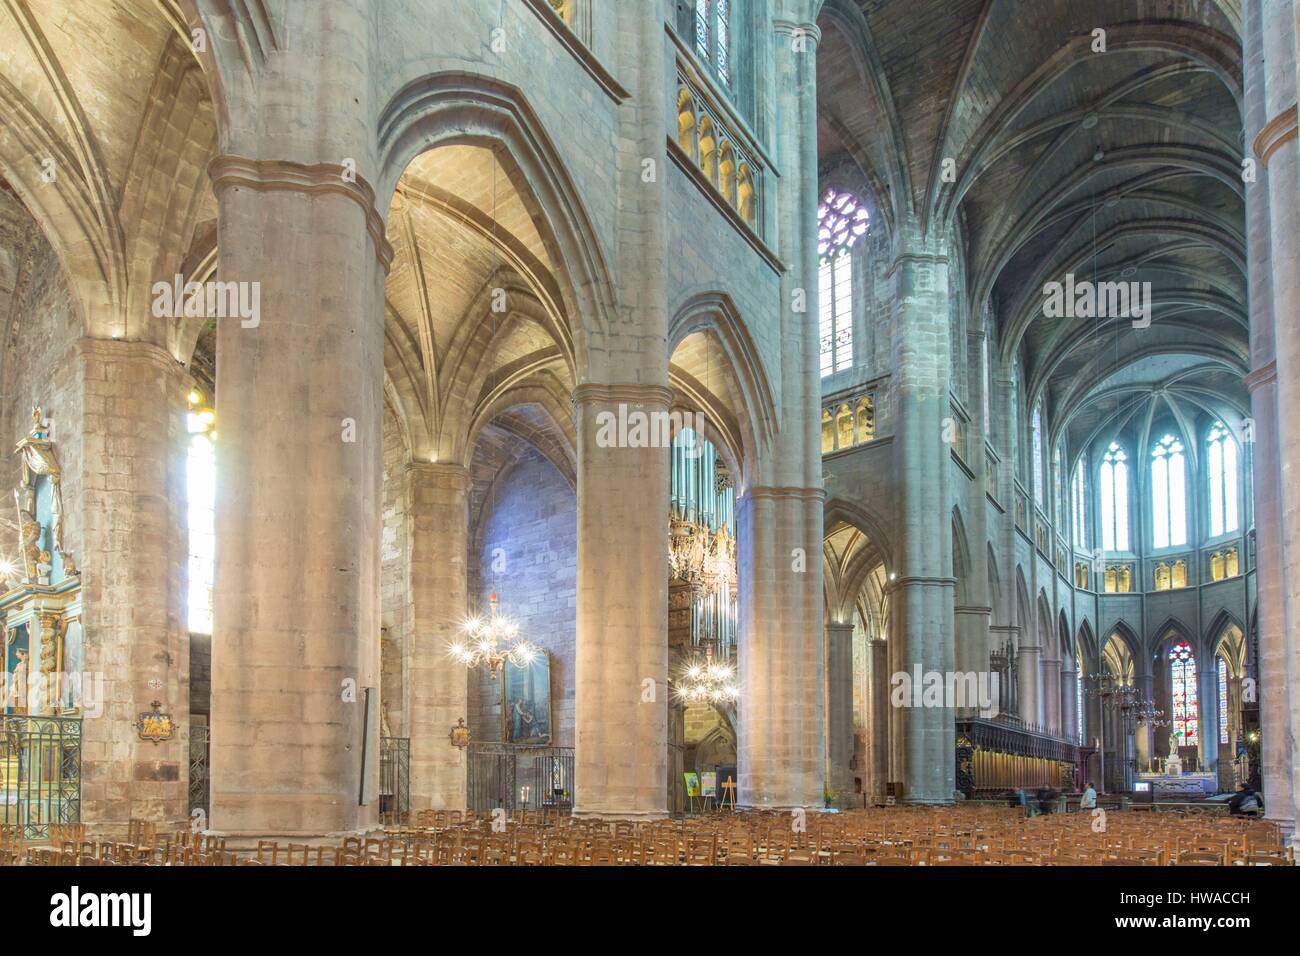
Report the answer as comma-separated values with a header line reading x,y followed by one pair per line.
x,y
1172,782
40,591
43,683
1186,786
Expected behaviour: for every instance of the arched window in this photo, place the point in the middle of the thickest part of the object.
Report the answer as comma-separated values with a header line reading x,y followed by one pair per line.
x,y
1080,504
1037,447
866,419
841,222
1080,711
988,386
1182,689
1222,452
1223,699
713,36
1114,499
201,483
1058,492
1168,493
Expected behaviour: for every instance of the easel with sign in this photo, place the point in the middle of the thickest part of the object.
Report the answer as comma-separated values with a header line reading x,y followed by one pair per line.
x,y
728,795
692,781
709,789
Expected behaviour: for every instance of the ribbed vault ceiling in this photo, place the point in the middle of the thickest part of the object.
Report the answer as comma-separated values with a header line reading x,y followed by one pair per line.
x,y
1117,165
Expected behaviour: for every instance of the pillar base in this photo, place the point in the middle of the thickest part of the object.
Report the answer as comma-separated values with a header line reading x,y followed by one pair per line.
x,y
241,840
632,815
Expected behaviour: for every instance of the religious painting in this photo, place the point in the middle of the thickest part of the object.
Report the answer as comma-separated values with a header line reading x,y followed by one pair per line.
x,y
154,725
70,665
526,702
17,668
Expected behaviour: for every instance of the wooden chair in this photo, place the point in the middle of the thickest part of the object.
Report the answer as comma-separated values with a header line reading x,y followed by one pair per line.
x,y
700,851
799,856
1199,858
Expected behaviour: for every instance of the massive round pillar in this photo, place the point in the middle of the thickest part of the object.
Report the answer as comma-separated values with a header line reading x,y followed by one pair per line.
x,y
922,594
1274,256
437,503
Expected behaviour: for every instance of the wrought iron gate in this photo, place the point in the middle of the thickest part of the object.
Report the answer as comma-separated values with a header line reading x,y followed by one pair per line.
x,y
516,777
200,778
394,780
40,773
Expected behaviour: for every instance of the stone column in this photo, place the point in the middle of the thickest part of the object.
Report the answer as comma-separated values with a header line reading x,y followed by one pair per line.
x,y
971,638
1029,670
839,714
1052,696
1274,258
437,510
781,755
1207,692
922,599
974,610
297,616
133,556
1144,734
880,713
622,654
295,653
1069,702
781,746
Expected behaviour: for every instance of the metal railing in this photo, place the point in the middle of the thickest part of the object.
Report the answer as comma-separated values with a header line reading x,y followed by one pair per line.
x,y
394,780
515,777
200,779
40,773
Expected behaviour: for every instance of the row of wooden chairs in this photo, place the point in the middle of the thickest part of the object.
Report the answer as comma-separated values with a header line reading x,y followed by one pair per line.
x,y
950,836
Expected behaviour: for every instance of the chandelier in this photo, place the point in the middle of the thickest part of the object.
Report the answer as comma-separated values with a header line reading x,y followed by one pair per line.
x,y
707,681
1133,707
481,643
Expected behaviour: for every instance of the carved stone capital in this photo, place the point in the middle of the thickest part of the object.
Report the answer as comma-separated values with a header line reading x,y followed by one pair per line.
x,y
267,175
655,396
1277,132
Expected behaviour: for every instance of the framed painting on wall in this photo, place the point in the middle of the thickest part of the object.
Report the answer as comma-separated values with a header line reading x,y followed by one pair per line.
x,y
526,702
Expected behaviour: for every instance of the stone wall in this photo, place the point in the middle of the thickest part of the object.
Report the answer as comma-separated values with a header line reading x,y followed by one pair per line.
x,y
39,365
533,519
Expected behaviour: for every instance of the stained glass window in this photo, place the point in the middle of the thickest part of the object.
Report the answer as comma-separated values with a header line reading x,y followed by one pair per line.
x,y
200,479
1114,499
713,35
1223,480
1036,446
1182,682
988,387
703,29
724,40
1080,496
1078,697
1168,493
841,222
1223,700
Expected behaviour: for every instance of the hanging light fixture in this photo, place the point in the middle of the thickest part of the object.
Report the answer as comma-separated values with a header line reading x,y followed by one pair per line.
x,y
482,639
708,681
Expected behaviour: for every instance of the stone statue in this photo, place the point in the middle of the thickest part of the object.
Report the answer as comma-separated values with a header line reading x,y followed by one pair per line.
x,y
1173,763
37,458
